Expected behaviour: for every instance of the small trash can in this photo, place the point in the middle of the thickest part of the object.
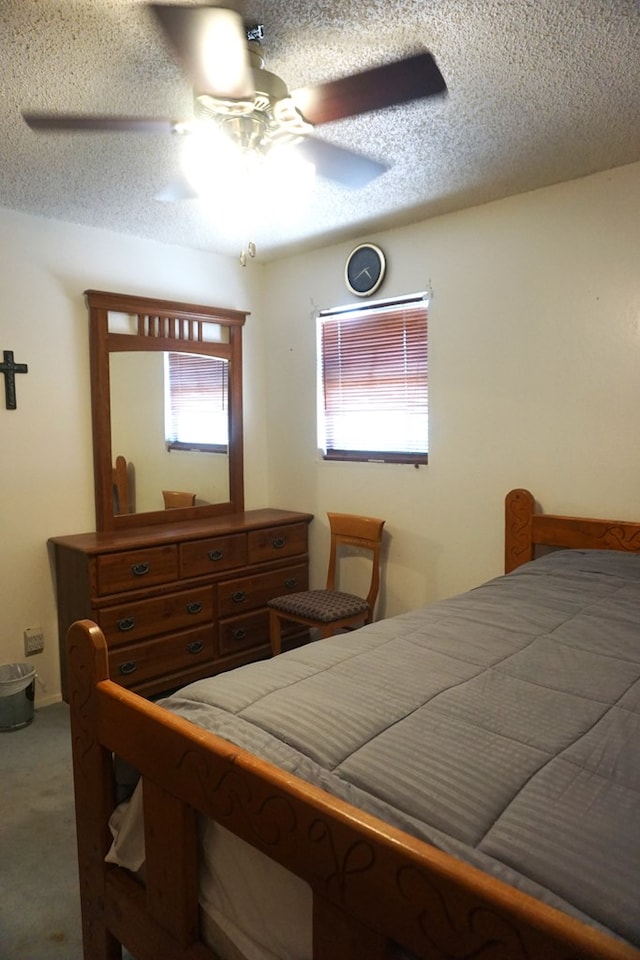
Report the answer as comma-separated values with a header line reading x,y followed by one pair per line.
x,y
17,691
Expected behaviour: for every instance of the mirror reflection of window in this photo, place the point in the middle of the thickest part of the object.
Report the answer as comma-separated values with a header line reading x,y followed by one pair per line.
x,y
196,402
137,406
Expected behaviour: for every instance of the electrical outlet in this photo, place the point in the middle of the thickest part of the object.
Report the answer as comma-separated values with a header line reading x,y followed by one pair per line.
x,y
33,641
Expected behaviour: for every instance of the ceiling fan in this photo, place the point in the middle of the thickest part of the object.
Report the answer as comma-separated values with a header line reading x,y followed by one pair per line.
x,y
222,59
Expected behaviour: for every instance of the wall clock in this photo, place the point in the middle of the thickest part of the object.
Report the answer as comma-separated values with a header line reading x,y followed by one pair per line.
x,y
365,269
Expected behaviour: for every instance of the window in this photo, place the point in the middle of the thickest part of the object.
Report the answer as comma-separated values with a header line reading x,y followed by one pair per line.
x,y
196,402
373,382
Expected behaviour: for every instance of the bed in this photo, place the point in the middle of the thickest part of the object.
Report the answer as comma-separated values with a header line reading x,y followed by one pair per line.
x,y
515,839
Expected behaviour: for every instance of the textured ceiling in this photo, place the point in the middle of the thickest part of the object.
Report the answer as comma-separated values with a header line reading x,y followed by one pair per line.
x,y
540,91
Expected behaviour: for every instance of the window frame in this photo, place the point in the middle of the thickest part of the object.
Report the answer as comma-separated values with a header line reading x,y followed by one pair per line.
x,y
392,315
220,384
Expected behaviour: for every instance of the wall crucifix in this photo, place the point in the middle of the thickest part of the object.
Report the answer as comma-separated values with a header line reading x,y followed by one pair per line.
x,y
9,367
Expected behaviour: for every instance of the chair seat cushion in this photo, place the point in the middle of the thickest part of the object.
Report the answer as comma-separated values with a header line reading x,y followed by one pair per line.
x,y
324,606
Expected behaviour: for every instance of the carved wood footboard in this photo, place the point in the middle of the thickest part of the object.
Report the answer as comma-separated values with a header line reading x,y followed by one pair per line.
x,y
372,884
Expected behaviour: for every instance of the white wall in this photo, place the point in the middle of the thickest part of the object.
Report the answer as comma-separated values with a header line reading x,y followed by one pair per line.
x,y
534,350
46,467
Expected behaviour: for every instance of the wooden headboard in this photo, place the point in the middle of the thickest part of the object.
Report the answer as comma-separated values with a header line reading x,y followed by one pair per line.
x,y
525,529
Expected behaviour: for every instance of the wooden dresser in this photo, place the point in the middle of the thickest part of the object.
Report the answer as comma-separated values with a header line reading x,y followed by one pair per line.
x,y
177,602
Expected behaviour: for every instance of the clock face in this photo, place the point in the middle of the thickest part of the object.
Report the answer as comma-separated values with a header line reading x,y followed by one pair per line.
x,y
364,270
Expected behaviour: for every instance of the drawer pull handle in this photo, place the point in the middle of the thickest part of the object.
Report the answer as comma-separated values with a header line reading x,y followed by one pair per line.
x,y
139,569
128,667
278,543
239,596
195,646
215,555
239,633
127,623
290,583
194,607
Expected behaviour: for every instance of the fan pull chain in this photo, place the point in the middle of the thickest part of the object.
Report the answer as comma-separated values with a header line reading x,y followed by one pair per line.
x,y
251,250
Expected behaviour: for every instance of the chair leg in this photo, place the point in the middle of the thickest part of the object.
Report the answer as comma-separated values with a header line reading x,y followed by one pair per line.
x,y
275,633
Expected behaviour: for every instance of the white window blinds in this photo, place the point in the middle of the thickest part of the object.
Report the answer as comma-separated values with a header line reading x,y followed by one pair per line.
x,y
197,401
374,389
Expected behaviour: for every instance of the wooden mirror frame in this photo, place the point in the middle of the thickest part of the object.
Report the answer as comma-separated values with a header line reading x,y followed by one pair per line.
x,y
161,326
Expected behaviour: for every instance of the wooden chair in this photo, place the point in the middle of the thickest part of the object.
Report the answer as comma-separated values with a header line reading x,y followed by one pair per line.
x,y
178,498
331,609
120,481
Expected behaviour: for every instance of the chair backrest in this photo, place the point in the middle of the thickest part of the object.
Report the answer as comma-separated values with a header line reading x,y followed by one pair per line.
x,y
355,531
120,480
178,498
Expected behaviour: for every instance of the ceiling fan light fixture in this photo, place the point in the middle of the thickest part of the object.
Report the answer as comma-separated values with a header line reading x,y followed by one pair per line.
x,y
223,155
266,117
247,132
275,119
209,106
289,118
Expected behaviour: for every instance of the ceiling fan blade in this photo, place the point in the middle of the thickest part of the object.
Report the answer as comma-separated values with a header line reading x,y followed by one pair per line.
x,y
64,122
179,189
335,163
211,44
386,86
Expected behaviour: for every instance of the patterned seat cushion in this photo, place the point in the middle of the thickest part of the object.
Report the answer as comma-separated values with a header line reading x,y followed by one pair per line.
x,y
325,606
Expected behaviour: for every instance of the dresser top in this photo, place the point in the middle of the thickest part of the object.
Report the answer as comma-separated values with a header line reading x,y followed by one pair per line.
x,y
113,540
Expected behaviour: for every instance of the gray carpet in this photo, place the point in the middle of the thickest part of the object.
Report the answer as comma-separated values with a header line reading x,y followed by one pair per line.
x,y
39,902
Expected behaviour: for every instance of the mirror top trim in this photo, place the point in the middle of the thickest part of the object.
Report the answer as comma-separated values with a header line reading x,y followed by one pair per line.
x,y
126,303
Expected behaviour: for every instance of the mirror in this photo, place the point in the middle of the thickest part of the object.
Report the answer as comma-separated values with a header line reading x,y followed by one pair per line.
x,y
138,416
135,343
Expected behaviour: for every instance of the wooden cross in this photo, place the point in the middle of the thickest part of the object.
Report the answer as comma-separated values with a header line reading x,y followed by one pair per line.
x,y
10,368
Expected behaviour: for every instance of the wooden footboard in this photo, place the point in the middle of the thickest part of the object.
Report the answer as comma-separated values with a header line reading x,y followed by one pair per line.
x,y
372,884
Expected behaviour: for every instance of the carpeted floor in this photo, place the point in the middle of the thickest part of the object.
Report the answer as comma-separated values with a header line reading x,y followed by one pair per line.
x,y
39,902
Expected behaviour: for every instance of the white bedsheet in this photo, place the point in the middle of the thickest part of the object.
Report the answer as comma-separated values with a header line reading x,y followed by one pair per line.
x,y
253,908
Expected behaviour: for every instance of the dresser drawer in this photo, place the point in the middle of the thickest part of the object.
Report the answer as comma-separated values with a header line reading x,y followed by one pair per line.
x,y
273,543
136,569
133,621
250,593
242,633
248,632
132,665
213,555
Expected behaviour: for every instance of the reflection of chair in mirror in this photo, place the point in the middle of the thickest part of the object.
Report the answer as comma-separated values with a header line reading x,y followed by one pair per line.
x,y
330,609
120,481
178,498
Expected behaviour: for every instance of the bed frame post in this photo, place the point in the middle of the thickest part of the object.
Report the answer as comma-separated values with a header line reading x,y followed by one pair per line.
x,y
518,534
93,785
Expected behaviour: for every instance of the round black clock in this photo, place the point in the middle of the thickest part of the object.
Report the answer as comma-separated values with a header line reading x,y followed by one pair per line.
x,y
364,270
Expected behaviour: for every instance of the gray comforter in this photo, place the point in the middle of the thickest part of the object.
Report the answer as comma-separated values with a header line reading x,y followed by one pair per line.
x,y
501,725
